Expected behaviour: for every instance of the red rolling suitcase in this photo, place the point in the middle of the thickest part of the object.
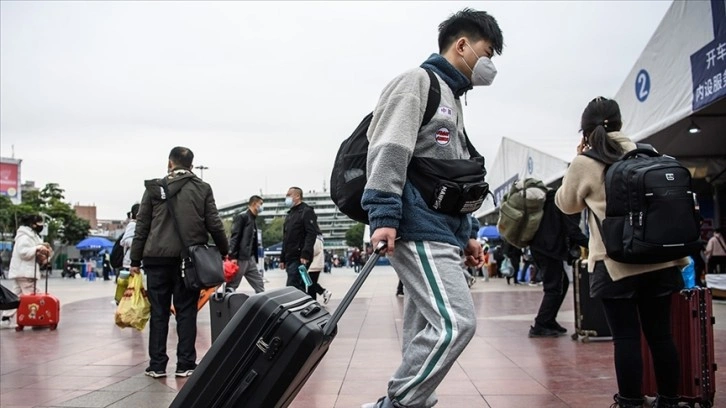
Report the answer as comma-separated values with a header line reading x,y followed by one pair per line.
x,y
38,309
692,324
268,350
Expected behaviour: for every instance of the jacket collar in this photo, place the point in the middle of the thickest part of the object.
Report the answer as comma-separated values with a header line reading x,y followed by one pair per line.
x,y
297,207
457,81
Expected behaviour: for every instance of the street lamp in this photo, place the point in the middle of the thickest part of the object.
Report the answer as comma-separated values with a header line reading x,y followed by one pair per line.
x,y
201,169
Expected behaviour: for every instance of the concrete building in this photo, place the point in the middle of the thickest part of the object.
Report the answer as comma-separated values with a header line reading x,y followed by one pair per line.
x,y
332,222
88,213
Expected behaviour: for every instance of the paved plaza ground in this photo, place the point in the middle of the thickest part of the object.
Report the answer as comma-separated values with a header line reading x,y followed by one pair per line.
x,y
89,362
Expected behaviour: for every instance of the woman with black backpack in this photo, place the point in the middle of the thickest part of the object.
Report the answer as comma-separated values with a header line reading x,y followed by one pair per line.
x,y
635,296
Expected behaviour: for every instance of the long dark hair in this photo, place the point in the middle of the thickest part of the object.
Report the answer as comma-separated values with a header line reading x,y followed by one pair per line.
x,y
601,116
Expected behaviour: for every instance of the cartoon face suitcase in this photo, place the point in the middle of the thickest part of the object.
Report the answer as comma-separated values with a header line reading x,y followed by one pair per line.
x,y
38,309
267,351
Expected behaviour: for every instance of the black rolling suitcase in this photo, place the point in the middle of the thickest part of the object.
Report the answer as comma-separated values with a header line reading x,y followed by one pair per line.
x,y
590,322
267,351
222,307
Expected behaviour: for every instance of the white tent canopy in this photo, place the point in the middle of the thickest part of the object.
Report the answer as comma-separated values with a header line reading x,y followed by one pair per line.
x,y
679,83
516,161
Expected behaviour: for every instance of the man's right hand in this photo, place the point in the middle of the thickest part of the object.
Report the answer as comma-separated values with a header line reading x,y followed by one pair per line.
x,y
282,265
134,270
384,234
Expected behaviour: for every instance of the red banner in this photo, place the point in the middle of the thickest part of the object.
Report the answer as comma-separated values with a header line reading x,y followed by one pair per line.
x,y
10,180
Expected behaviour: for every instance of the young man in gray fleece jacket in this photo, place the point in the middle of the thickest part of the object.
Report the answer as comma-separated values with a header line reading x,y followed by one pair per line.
x,y
439,318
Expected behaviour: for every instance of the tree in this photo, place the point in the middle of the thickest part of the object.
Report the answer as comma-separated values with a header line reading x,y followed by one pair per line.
x,y
74,229
63,223
273,232
52,192
7,215
354,235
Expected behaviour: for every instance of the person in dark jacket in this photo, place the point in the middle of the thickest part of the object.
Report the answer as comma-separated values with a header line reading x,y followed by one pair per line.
x,y
298,237
158,244
243,246
550,249
515,255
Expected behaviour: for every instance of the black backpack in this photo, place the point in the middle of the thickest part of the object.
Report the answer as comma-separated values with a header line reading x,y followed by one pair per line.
x,y
348,179
650,209
117,254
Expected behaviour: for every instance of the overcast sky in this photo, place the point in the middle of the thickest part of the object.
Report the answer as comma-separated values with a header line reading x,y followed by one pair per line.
x,y
93,95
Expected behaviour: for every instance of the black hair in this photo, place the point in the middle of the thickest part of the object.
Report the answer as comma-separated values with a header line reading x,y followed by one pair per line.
x,y
473,24
134,211
298,190
601,116
182,156
30,219
254,199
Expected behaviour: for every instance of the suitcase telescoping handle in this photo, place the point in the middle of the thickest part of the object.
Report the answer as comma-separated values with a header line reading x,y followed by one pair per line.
x,y
348,298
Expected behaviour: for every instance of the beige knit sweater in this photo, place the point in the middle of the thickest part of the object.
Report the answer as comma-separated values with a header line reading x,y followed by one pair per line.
x,y
584,187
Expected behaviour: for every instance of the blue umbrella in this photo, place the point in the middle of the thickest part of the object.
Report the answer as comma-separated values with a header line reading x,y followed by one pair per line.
x,y
488,232
91,243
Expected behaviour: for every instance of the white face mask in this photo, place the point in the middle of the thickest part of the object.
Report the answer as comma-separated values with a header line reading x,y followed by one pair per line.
x,y
259,209
288,202
483,72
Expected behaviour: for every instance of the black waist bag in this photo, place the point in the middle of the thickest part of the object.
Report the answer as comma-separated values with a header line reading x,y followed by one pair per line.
x,y
451,187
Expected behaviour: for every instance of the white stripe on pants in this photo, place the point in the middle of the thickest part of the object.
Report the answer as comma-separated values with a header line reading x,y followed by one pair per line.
x,y
438,321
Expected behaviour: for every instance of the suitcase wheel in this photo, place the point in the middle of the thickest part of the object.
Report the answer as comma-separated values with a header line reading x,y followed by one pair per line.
x,y
53,327
574,336
586,339
18,328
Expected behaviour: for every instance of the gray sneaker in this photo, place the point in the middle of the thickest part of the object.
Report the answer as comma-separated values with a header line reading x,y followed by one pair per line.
x,y
326,296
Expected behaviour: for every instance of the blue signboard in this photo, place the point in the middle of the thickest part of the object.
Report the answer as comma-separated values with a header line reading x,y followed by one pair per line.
x,y
503,189
708,65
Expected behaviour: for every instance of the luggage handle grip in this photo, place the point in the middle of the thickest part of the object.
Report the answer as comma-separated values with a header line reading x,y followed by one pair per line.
x,y
331,325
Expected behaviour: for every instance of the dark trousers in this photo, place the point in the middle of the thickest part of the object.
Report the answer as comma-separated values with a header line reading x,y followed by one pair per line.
x,y
106,273
315,289
555,284
515,266
626,318
293,275
164,284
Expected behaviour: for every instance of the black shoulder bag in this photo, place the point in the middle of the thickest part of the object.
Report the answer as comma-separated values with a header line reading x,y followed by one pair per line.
x,y
201,264
451,186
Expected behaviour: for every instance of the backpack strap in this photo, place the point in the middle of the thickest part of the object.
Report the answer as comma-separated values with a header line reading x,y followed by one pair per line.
x,y
434,98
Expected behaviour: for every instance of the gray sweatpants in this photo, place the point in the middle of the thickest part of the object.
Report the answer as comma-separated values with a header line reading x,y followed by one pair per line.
x,y
249,270
438,319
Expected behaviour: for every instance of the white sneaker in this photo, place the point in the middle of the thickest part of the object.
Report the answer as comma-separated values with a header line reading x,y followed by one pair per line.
x,y
383,402
326,296
6,324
